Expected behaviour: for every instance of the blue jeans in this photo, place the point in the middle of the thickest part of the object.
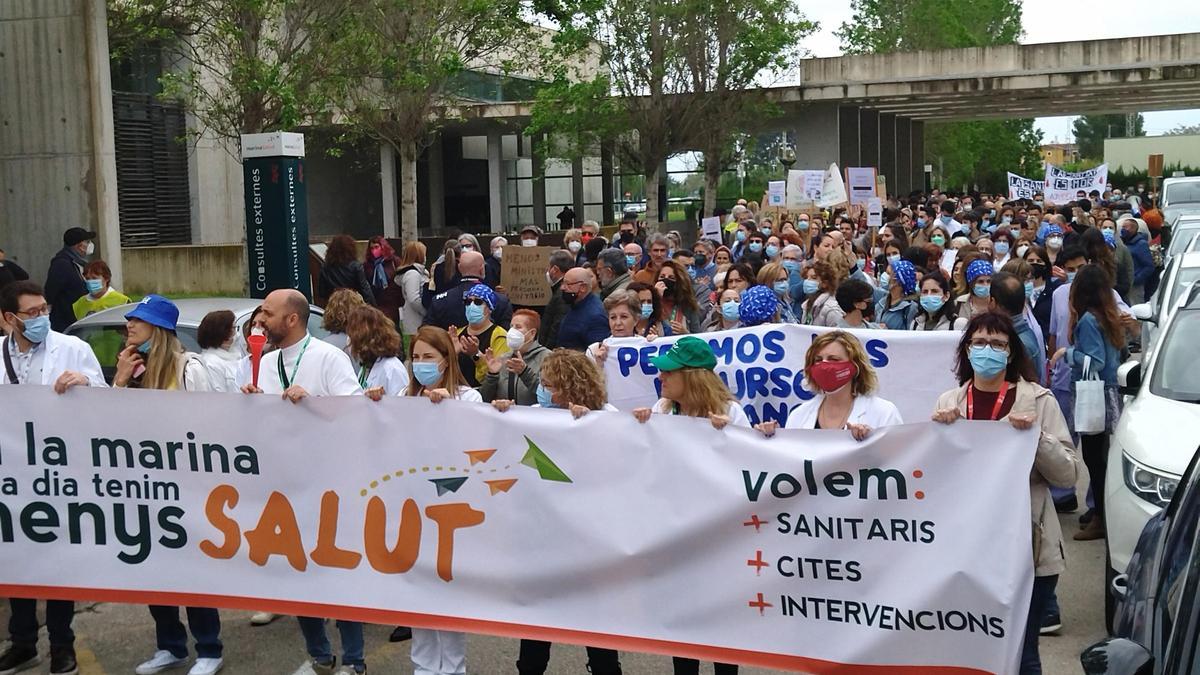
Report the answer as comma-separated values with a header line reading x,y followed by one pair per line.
x,y
317,642
23,623
171,636
1043,590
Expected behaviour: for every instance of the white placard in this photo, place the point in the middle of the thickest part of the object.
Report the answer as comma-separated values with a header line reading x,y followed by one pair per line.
x,y
775,192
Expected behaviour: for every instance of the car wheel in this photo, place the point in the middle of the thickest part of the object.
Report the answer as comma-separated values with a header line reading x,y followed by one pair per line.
x,y
1110,600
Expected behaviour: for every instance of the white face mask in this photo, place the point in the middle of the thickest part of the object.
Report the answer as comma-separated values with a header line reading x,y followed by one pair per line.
x,y
498,253
529,242
574,246
516,339
91,248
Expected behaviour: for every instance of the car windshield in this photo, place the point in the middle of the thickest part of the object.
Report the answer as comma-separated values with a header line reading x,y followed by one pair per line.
x,y
1182,236
1179,193
1175,373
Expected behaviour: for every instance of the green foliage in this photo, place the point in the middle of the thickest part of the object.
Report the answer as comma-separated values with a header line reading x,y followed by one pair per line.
x,y
1091,130
1122,178
1184,130
970,153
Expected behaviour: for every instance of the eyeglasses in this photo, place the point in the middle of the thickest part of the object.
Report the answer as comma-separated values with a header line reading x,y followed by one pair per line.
x,y
44,310
475,301
998,345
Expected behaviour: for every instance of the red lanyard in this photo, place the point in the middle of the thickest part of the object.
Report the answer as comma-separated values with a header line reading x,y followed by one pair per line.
x,y
995,409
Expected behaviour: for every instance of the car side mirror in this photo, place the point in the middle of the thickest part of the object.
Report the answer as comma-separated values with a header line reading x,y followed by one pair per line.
x,y
1144,312
1129,377
1116,656
1120,586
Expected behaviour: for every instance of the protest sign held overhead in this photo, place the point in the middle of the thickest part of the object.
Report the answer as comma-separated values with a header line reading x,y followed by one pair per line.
x,y
224,501
1064,186
1020,187
804,188
523,274
861,181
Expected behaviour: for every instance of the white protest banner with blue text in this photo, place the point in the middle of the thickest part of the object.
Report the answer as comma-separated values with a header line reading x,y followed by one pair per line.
x,y
764,367
807,551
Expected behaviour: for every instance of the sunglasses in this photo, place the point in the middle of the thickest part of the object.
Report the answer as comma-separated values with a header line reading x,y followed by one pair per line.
x,y
476,301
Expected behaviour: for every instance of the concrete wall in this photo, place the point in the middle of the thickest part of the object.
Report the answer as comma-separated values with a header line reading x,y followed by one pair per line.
x,y
216,192
215,270
1132,153
57,158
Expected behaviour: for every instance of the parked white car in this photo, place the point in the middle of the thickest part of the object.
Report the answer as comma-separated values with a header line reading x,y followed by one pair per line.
x,y
1157,434
1181,271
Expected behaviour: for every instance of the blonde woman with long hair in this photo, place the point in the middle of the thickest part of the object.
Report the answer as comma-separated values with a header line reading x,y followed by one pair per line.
x,y
412,276
337,309
690,387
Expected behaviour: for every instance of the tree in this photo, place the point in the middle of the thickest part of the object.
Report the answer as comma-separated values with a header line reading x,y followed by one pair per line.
x,y
1184,130
971,153
401,58
243,66
1091,130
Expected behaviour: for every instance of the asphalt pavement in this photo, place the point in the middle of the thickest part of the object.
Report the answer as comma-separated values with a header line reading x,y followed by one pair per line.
x,y
114,638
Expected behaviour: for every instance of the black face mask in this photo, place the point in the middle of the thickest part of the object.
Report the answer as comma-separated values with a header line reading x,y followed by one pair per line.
x,y
670,284
570,297
626,236
701,260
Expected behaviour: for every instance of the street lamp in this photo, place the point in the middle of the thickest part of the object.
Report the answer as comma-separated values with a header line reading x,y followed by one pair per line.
x,y
787,157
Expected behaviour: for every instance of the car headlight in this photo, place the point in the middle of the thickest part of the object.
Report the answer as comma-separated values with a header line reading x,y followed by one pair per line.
x,y
1153,486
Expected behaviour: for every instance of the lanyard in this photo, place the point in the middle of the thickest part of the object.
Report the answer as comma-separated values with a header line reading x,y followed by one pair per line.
x,y
283,377
364,371
995,409
26,360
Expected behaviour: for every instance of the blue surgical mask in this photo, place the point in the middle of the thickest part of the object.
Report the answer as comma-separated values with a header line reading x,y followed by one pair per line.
x,y
792,266
691,271
893,259
781,288
766,230
631,260
1006,220
1070,277
987,225
802,226
932,303
982,291
885,280
144,348
729,310
772,251
647,310
37,328
1029,289
987,361
94,286
1001,247
755,247
474,313
428,374
741,235
811,286
947,219
920,223
544,398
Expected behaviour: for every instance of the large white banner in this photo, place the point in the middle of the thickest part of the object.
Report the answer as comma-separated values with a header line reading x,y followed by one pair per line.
x,y
764,367
807,551
1020,187
1062,186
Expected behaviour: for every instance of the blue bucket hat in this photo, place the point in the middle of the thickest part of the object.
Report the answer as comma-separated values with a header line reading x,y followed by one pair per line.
x,y
758,305
1053,230
979,268
483,292
906,274
156,311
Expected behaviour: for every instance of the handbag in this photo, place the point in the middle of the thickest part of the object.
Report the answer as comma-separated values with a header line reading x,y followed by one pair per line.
x,y
1089,401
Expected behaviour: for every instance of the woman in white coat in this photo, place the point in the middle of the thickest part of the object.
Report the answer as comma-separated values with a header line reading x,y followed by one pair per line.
x,y
375,346
837,370
223,363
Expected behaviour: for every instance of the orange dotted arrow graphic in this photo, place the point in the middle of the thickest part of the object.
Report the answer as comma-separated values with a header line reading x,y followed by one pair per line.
x,y
503,485
479,456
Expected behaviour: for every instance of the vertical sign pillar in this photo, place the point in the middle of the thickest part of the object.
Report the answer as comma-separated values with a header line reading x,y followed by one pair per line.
x,y
276,213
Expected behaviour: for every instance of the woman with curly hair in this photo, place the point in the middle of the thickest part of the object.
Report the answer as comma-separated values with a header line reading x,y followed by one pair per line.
x,y
337,310
821,307
343,270
375,346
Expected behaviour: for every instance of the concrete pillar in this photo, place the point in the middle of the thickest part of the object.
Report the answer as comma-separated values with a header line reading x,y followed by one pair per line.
x,y
536,149
918,154
387,189
577,186
436,169
606,184
497,182
887,151
905,181
104,150
815,133
848,136
868,137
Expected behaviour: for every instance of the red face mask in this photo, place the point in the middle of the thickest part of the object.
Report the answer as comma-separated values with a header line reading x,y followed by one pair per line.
x,y
587,236
831,376
376,251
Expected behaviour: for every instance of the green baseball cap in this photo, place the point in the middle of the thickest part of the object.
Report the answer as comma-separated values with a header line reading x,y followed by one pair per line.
x,y
687,352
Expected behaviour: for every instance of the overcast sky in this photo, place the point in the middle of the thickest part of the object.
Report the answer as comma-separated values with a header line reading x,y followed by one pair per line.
x,y
1057,20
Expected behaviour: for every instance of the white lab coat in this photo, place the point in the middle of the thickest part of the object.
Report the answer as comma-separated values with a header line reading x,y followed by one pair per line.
x,y
63,353
872,411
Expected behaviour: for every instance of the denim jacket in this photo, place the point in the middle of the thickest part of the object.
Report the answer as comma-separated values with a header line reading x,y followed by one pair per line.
x,y
1089,340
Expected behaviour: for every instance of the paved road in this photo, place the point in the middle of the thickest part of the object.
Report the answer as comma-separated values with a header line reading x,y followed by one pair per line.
x,y
115,638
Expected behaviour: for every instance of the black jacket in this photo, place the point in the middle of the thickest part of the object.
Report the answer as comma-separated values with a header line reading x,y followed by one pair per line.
x,y
447,309
64,285
10,272
552,317
350,275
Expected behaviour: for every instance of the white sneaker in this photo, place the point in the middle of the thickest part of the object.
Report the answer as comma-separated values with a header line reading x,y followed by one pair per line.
x,y
311,667
162,660
206,666
262,618
348,670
